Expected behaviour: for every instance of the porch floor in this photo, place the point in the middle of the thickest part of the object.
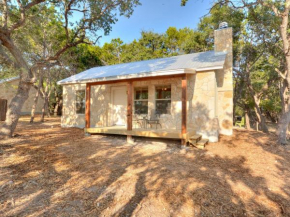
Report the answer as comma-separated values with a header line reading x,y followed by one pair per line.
x,y
151,132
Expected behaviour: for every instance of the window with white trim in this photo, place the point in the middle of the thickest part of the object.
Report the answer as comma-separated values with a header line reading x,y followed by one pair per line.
x,y
163,99
141,100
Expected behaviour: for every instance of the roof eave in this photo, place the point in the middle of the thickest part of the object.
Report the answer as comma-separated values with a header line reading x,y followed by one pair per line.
x,y
142,75
209,68
130,76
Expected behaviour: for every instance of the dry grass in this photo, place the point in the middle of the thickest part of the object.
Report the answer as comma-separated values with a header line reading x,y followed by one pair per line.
x,y
49,171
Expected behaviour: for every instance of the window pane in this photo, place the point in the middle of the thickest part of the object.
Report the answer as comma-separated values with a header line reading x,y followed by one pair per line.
x,y
163,107
144,94
80,94
80,102
137,94
141,107
141,93
163,92
80,108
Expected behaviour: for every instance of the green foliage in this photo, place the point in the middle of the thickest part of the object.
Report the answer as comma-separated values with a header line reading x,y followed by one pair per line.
x,y
84,56
219,14
183,2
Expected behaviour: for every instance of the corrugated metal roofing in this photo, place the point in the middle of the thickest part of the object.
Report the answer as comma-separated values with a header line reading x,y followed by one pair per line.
x,y
195,61
9,79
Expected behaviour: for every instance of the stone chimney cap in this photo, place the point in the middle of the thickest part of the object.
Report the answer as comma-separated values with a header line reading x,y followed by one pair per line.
x,y
223,25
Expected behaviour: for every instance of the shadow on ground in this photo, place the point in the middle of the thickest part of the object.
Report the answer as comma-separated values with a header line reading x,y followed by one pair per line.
x,y
48,171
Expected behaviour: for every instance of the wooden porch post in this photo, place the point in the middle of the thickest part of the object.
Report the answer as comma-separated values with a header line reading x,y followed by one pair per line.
x,y
129,110
88,105
184,107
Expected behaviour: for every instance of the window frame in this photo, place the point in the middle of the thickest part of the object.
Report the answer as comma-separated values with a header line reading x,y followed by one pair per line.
x,y
79,101
141,100
163,99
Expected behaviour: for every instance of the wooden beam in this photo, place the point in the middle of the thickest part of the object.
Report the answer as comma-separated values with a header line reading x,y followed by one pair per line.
x,y
184,105
137,79
129,105
88,105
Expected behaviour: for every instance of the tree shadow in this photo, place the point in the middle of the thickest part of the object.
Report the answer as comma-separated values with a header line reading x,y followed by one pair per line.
x,y
69,174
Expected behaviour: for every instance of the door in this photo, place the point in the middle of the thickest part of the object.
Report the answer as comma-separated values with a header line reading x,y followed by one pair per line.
x,y
119,105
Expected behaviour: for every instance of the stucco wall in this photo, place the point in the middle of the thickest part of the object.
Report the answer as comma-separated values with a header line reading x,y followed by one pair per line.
x,y
8,91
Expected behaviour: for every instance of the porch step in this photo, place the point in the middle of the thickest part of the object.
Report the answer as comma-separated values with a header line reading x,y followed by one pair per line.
x,y
197,141
201,144
194,139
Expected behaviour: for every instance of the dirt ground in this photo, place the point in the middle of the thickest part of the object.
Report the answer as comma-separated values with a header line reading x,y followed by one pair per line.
x,y
49,171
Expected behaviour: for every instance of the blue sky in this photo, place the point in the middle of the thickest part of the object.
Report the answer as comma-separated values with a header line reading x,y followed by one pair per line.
x,y
158,15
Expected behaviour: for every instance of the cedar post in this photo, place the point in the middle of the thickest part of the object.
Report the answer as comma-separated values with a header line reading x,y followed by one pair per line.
x,y
129,105
88,105
184,107
129,110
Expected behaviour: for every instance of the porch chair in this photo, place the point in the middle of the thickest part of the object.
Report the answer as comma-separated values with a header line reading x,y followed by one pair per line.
x,y
154,119
137,121
240,123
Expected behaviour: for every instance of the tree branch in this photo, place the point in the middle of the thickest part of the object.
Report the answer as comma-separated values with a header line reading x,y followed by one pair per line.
x,y
280,73
23,10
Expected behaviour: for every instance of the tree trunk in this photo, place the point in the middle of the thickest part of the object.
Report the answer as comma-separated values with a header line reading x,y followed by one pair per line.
x,y
26,80
284,93
45,108
247,119
256,98
282,128
57,99
273,119
36,99
284,118
260,116
14,109
34,107
56,109
261,119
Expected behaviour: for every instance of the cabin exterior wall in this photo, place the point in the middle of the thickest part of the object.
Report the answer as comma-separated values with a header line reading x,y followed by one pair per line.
x,y
201,104
8,91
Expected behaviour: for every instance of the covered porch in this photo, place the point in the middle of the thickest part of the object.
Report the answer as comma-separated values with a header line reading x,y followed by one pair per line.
x,y
149,127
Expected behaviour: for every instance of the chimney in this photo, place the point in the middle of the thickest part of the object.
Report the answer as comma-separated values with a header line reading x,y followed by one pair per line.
x,y
223,40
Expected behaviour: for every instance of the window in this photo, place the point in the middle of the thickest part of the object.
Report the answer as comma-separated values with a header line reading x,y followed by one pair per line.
x,y
163,99
141,100
80,102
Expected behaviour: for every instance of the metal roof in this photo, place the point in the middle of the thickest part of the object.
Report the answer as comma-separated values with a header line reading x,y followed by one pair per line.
x,y
8,79
209,60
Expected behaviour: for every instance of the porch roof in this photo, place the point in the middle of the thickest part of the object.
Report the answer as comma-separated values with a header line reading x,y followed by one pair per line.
x,y
203,61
